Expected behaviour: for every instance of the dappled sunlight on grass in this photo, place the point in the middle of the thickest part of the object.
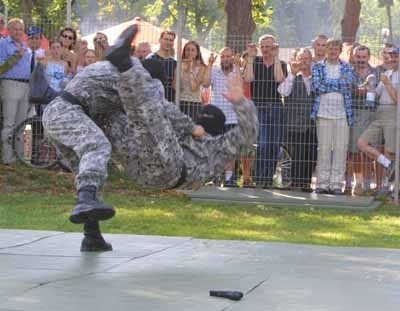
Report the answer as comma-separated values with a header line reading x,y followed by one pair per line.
x,y
145,212
247,234
41,199
336,236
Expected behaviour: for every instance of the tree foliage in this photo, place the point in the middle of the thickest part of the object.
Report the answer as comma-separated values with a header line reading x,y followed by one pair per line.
x,y
384,3
295,22
373,19
199,17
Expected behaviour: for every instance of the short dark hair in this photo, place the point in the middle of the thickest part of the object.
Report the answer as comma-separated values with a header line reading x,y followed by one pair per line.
x,y
334,42
320,36
361,48
74,35
167,32
388,45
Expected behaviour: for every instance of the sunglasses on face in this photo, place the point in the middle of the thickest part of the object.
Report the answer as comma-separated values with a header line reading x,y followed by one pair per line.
x,y
68,37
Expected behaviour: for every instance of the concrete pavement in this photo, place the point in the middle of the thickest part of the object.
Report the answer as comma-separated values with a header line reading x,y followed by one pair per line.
x,y
42,270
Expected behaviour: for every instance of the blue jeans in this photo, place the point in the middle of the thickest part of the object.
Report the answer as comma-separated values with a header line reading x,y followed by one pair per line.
x,y
269,139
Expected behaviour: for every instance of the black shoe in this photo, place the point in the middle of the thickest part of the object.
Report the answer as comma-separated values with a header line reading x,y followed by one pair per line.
x,y
95,244
120,53
248,183
90,208
231,183
321,191
337,192
39,89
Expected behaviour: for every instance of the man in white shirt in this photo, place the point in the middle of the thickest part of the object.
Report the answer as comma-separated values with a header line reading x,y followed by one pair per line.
x,y
219,81
332,81
229,69
300,135
385,122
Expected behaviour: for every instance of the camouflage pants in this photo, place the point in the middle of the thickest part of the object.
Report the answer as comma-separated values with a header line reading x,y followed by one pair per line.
x,y
145,135
78,139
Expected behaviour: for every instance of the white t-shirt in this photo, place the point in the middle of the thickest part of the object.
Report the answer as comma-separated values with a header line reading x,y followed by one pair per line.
x,y
381,91
332,104
218,87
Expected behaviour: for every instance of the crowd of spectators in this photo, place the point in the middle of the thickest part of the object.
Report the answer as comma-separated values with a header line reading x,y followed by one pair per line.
x,y
335,116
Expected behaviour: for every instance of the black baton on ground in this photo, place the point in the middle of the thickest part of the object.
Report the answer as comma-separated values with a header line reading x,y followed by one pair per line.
x,y
233,295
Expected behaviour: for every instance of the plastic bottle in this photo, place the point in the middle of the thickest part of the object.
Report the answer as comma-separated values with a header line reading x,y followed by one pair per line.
x,y
371,94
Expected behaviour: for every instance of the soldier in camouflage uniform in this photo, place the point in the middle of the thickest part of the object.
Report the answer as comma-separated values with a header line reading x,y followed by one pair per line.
x,y
117,106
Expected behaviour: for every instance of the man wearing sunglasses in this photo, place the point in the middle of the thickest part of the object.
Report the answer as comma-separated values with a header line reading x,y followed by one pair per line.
x,y
116,105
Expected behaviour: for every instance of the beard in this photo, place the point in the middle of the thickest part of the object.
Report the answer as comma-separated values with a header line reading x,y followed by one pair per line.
x,y
226,66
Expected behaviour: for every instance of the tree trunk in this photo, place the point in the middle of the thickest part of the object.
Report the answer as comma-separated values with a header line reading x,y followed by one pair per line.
x,y
27,8
389,15
240,25
351,20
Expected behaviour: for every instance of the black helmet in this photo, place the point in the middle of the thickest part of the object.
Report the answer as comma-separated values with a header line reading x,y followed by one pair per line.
x,y
212,119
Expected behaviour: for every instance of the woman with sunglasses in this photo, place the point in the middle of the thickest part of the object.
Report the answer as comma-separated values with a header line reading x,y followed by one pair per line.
x,y
67,39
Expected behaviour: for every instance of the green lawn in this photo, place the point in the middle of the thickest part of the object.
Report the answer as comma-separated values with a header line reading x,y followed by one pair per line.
x,y
41,199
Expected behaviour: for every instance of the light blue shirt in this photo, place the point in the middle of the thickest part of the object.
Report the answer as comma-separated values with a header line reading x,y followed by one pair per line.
x,y
56,75
22,69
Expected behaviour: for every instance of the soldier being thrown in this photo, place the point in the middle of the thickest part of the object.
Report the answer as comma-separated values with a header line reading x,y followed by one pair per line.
x,y
116,105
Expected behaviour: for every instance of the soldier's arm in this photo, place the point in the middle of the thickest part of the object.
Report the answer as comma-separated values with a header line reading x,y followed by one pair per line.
x,y
181,123
246,113
247,121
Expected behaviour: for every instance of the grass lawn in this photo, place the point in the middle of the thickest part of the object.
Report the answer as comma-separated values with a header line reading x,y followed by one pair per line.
x,y
42,200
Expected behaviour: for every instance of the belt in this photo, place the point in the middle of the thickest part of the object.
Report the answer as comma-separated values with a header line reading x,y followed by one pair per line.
x,y
69,97
73,100
18,80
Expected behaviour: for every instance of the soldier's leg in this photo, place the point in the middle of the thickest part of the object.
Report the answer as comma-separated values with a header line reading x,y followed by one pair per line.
x,y
161,164
93,241
69,127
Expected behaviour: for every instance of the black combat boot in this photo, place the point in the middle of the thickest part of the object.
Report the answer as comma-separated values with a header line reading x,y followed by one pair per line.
x,y
119,53
89,207
93,240
40,91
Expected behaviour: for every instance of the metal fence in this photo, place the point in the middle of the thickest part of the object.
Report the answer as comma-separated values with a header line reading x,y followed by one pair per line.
x,y
290,143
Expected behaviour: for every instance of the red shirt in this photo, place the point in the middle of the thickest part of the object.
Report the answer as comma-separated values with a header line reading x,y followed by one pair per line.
x,y
247,89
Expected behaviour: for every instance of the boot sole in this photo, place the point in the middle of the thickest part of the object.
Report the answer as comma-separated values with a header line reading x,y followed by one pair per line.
x,y
123,42
93,247
93,214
